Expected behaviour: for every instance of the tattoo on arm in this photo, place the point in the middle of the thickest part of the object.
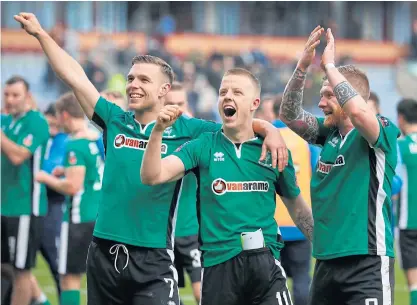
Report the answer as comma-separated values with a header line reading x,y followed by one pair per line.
x,y
344,92
300,121
304,221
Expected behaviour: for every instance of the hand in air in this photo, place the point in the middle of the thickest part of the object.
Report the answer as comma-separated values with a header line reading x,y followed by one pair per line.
x,y
329,51
167,116
29,23
310,48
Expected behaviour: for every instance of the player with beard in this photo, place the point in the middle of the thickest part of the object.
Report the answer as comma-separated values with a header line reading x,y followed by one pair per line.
x,y
130,259
351,186
236,198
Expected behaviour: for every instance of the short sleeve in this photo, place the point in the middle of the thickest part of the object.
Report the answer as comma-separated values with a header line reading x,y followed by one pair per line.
x,y
286,186
34,135
388,134
190,153
103,112
198,126
323,132
74,157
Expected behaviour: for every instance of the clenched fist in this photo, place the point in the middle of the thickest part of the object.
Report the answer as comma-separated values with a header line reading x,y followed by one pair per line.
x,y
29,23
167,116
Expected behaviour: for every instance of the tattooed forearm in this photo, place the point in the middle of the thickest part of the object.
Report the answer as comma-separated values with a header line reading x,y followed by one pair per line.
x,y
301,214
293,96
292,113
344,92
304,221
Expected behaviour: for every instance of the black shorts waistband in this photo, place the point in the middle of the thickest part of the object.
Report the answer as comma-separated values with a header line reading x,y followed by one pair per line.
x,y
256,251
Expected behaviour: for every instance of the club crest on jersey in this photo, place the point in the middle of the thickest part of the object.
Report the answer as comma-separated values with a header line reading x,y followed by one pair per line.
x,y
123,141
325,168
28,140
221,187
384,121
72,159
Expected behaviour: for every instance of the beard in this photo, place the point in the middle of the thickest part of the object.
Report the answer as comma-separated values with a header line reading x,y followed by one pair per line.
x,y
335,118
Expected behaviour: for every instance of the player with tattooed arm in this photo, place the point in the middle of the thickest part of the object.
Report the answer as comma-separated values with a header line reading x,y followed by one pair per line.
x,y
351,186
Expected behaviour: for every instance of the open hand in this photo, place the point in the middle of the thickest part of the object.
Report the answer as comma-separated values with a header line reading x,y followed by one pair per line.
x,y
167,116
275,144
310,48
329,51
29,23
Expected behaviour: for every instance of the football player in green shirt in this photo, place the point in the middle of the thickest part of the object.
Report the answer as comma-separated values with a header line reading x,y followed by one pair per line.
x,y
187,255
130,258
351,186
407,207
236,202
82,184
23,200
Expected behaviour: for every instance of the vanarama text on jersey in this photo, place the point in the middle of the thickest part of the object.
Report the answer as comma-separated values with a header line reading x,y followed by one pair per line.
x,y
122,141
220,186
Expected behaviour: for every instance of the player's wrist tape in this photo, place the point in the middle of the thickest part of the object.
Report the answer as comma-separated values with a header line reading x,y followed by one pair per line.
x,y
344,92
329,66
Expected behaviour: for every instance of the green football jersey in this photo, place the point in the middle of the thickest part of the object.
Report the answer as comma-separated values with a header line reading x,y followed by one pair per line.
x,y
351,193
20,193
407,207
83,206
237,193
129,211
187,223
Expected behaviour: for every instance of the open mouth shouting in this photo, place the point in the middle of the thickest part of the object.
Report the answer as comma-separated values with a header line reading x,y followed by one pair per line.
x,y
229,111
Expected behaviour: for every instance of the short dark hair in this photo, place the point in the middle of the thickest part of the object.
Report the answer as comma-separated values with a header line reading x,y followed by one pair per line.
x,y
374,97
51,110
18,79
244,72
149,59
69,103
408,109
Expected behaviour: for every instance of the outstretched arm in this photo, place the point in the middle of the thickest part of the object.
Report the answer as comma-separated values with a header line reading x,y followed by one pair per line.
x,y
301,214
360,114
300,121
155,170
65,67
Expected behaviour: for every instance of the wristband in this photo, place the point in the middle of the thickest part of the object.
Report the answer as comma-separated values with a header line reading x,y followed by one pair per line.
x,y
329,66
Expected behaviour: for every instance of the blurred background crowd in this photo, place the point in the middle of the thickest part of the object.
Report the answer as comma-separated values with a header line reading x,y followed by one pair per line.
x,y
203,39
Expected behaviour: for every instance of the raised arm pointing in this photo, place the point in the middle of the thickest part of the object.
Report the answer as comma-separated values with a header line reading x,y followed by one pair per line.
x,y
65,67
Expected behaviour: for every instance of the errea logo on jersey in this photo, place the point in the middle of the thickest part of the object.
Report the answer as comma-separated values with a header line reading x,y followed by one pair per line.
x,y
122,141
218,156
221,187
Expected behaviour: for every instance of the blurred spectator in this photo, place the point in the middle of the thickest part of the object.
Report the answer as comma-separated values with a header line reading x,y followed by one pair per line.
x,y
265,110
413,42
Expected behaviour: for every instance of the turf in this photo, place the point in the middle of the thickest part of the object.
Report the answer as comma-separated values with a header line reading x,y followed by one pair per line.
x,y
45,280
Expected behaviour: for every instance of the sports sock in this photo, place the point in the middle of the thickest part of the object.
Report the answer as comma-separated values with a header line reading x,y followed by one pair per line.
x,y
413,296
70,297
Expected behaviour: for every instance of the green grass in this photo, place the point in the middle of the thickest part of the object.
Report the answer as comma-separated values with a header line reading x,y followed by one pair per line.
x,y
47,284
